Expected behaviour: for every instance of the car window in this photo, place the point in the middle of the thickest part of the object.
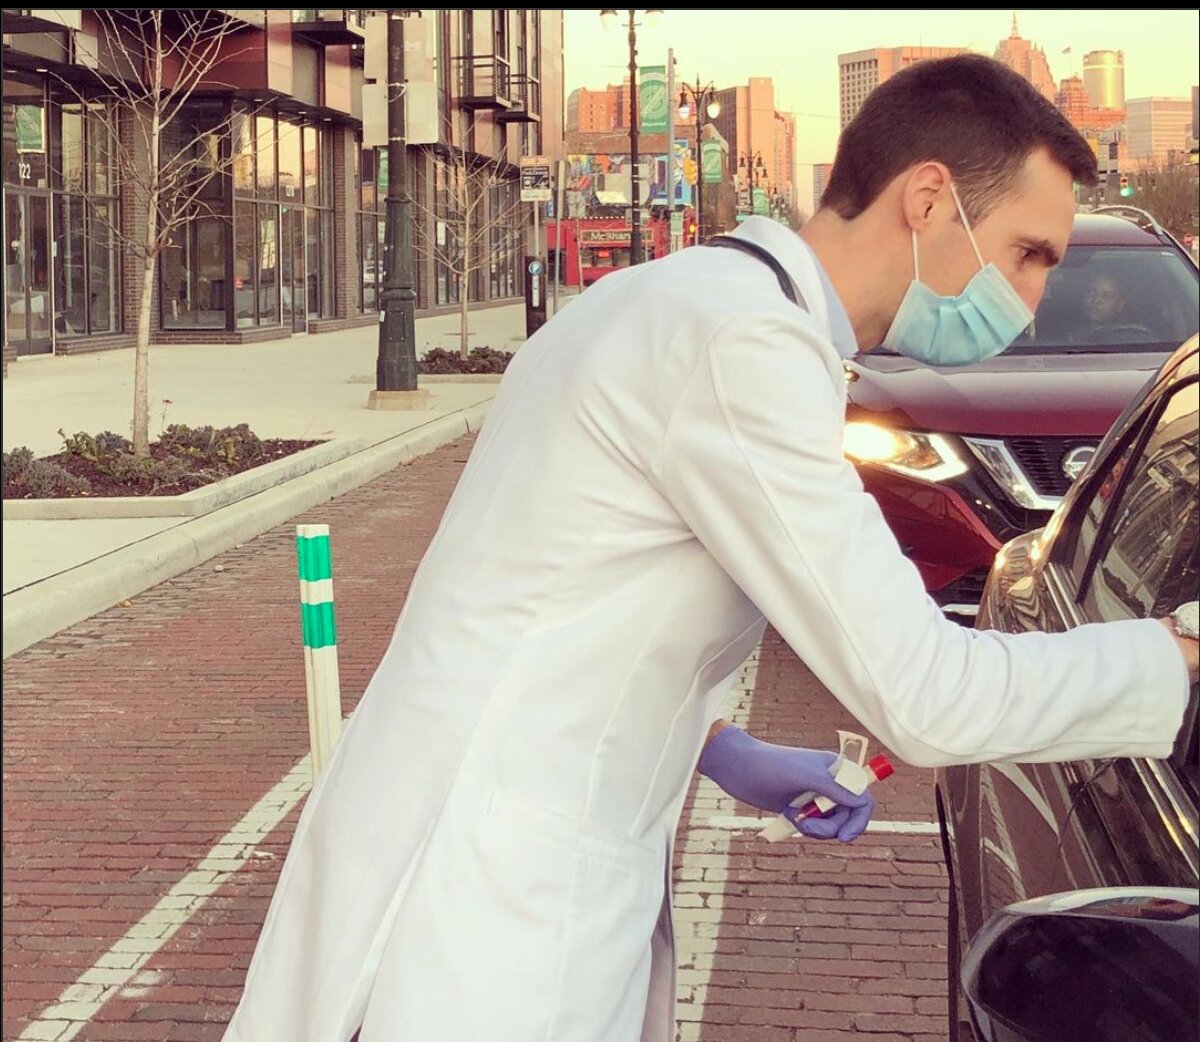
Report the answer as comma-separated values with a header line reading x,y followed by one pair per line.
x,y
1109,298
1146,562
1139,538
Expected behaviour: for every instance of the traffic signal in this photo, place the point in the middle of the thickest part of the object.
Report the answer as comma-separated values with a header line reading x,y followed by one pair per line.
x,y
689,170
1126,187
691,227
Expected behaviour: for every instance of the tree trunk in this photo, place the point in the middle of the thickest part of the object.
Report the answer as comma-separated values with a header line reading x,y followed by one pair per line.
x,y
141,363
149,254
464,289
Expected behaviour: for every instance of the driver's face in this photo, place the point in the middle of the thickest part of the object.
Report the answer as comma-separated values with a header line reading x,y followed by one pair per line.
x,y
1103,301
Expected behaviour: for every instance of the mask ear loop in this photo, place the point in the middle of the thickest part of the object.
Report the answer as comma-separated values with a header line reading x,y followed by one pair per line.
x,y
966,226
916,266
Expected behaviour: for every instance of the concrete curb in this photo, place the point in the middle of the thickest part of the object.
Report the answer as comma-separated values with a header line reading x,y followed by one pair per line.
x,y
191,504
43,609
437,378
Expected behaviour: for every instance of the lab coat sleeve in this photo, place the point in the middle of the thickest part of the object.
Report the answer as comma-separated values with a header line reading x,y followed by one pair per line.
x,y
752,461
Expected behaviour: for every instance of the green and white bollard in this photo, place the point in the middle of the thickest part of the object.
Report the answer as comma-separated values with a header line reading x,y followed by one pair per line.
x,y
320,643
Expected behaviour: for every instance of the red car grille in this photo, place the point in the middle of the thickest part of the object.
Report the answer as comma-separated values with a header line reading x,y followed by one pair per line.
x,y
1042,458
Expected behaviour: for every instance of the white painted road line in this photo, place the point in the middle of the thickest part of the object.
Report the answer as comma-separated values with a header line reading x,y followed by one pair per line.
x,y
119,970
705,858
908,828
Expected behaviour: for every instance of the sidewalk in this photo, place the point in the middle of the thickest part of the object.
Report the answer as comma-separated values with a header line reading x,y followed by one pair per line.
x,y
58,572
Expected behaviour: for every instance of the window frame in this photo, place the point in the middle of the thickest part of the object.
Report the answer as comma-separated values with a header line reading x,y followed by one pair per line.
x,y
1133,444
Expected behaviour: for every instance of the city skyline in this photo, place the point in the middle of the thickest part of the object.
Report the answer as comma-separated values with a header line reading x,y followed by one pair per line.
x,y
799,52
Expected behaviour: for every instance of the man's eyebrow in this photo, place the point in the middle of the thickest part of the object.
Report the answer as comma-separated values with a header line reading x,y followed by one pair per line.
x,y
1045,249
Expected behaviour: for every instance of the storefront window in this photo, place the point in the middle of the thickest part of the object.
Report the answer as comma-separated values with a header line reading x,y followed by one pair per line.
x,y
194,276
244,265
312,166
367,201
243,154
100,151
265,127
291,162
369,258
70,266
103,277
26,134
372,225
86,259
327,266
71,153
268,265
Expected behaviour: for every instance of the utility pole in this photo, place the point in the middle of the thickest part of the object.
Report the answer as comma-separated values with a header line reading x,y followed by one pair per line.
x,y
396,364
635,235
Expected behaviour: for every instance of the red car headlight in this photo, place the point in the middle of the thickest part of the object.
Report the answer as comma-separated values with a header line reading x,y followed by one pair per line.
x,y
929,457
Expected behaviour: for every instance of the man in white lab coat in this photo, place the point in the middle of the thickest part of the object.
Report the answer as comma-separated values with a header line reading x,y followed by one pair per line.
x,y
661,474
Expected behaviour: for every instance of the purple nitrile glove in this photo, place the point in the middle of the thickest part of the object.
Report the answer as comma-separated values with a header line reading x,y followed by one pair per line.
x,y
771,776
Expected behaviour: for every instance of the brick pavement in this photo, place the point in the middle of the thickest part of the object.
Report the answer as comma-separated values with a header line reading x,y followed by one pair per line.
x,y
135,740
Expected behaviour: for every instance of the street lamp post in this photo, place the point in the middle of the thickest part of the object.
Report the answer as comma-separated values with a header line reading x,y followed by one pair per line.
x,y
753,164
396,363
690,96
609,18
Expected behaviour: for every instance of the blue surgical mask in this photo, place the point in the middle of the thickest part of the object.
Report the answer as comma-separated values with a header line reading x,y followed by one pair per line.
x,y
983,320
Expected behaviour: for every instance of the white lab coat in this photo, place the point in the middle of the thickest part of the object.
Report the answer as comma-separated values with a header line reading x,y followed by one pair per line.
x,y
487,854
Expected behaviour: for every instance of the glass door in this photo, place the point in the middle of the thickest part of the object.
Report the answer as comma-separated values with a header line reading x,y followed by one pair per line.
x,y
27,302
292,269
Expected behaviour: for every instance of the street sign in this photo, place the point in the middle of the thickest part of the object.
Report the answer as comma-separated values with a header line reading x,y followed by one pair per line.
x,y
535,267
535,179
676,224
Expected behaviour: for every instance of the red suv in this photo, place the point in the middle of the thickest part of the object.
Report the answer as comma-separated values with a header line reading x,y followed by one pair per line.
x,y
963,459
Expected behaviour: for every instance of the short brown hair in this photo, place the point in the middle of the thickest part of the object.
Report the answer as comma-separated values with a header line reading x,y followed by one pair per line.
x,y
970,112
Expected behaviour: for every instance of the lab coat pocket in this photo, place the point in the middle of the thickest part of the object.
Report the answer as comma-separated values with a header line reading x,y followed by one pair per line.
x,y
616,892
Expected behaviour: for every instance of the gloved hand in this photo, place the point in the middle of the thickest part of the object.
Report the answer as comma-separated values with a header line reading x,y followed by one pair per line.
x,y
771,776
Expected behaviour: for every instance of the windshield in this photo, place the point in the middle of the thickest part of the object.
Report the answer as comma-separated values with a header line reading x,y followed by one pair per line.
x,y
1112,298
1109,299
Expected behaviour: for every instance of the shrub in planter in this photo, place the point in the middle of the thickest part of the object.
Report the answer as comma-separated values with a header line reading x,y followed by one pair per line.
x,y
480,360
22,474
184,458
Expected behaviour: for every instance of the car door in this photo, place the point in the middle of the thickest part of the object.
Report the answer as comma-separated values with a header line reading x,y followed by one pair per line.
x,y
1143,562
1124,545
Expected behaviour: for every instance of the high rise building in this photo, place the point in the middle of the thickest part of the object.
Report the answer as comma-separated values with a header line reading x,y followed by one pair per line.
x,y
783,172
1104,78
821,173
1026,58
1158,127
1075,103
593,111
860,72
755,130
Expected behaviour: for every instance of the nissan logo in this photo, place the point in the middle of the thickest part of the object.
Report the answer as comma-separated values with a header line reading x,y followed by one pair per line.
x,y
1076,460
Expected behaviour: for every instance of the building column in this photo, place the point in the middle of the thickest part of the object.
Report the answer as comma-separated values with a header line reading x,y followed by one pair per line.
x,y
345,223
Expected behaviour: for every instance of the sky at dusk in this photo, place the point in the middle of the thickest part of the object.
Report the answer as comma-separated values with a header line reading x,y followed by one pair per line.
x,y
799,49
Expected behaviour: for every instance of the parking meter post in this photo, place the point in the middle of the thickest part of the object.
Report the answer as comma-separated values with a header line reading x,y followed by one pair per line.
x,y
535,294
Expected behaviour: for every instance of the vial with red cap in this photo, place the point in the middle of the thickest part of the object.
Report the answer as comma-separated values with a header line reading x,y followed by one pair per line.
x,y
876,769
851,770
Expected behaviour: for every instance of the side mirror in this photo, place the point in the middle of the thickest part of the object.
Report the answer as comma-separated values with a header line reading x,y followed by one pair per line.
x,y
1108,965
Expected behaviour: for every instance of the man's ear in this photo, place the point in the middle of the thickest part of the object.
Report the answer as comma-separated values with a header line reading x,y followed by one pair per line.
x,y
921,188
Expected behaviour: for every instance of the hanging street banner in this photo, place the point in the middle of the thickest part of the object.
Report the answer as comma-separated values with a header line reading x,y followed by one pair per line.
x,y
535,179
712,162
653,101
761,202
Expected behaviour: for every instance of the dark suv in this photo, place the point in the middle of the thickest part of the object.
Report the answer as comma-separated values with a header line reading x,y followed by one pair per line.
x,y
963,459
1124,543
